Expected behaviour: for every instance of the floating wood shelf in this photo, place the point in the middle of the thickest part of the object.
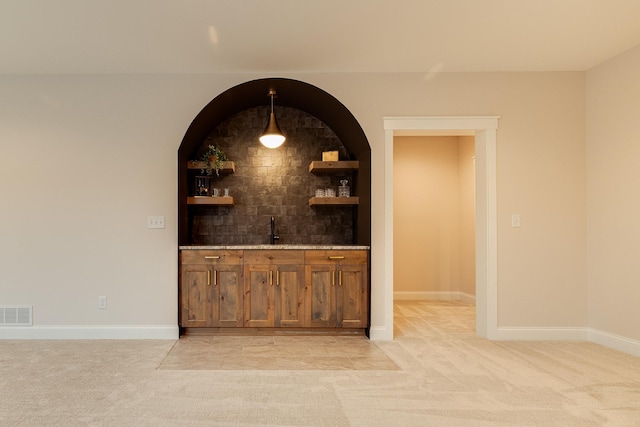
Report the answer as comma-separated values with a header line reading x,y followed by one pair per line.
x,y
211,201
227,167
333,201
341,166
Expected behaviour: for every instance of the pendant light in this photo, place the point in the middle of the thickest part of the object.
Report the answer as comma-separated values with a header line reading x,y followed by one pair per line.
x,y
272,136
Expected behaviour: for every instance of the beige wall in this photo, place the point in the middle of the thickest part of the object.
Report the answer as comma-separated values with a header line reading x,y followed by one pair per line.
x,y
613,202
434,253
85,158
466,203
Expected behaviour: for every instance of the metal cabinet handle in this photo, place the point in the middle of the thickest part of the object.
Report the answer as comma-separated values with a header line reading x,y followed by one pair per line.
x,y
333,277
340,278
336,257
212,257
271,277
277,277
215,278
208,277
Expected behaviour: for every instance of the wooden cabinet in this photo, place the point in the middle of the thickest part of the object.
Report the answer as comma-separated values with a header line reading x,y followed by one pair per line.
x,y
321,295
196,297
337,294
274,288
211,285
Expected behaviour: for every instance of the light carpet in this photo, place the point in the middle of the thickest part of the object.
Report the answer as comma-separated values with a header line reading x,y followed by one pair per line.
x,y
435,373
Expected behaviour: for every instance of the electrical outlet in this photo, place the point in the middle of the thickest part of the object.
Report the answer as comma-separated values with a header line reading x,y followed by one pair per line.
x,y
102,302
155,222
515,220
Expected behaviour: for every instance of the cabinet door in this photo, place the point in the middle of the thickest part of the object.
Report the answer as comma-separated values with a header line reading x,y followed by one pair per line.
x,y
289,295
197,296
228,286
320,296
351,301
258,296
211,287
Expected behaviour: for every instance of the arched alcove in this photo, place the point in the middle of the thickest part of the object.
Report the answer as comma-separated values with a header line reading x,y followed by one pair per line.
x,y
293,94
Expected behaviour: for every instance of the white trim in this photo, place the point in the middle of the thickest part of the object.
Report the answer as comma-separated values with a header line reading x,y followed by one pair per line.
x,y
433,296
616,342
506,333
465,297
606,339
442,123
484,128
378,333
167,332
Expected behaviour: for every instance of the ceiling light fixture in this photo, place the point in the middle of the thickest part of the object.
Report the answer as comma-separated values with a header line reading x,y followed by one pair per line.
x,y
272,136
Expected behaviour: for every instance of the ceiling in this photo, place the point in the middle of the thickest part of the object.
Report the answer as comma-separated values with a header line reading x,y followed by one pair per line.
x,y
277,36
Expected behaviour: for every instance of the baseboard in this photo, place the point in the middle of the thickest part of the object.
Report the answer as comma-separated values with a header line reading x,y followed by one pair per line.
x,y
506,333
433,296
376,333
616,342
380,333
168,332
612,341
465,297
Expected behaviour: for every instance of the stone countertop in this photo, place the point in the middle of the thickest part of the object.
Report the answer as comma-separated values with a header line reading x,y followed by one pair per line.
x,y
294,247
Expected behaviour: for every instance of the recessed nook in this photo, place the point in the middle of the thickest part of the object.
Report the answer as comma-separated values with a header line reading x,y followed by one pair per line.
x,y
232,275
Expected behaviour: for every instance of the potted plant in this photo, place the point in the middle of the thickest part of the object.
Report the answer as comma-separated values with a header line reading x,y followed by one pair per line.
x,y
214,159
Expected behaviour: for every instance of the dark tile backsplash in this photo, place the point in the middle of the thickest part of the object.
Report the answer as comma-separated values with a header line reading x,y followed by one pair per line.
x,y
273,182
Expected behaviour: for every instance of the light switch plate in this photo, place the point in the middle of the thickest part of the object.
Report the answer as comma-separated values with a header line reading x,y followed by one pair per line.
x,y
515,220
155,222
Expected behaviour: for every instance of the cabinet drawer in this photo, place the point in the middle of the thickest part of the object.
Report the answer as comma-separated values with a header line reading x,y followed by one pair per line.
x,y
336,256
276,256
211,257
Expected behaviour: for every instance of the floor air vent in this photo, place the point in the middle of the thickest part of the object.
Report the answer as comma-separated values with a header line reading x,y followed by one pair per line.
x,y
16,316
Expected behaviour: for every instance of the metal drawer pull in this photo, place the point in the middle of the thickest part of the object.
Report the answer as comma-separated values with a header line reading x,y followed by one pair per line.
x,y
277,277
271,277
340,278
215,278
212,257
336,257
208,277
333,277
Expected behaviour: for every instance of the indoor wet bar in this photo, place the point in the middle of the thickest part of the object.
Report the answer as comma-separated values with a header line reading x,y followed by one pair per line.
x,y
274,222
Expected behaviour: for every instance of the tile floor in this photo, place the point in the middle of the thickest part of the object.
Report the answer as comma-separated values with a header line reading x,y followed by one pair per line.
x,y
276,353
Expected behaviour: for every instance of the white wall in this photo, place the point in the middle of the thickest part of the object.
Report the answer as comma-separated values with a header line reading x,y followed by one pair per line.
x,y
84,160
613,202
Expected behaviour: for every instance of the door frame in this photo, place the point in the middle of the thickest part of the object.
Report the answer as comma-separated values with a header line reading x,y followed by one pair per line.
x,y
484,128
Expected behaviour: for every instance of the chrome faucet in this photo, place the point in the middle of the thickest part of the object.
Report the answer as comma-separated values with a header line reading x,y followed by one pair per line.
x,y
274,237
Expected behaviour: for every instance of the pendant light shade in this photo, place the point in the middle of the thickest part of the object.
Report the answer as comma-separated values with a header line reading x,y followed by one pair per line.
x,y
272,136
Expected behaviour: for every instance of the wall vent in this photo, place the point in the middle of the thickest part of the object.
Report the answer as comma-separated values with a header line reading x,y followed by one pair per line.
x,y
16,316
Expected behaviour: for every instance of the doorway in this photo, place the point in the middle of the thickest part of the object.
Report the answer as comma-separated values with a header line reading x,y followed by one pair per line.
x,y
484,129
434,218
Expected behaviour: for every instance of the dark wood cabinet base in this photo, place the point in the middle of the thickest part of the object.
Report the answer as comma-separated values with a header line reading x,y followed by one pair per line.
x,y
273,331
274,292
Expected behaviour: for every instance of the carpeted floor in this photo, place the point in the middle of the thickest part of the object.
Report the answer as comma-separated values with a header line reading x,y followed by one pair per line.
x,y
435,373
